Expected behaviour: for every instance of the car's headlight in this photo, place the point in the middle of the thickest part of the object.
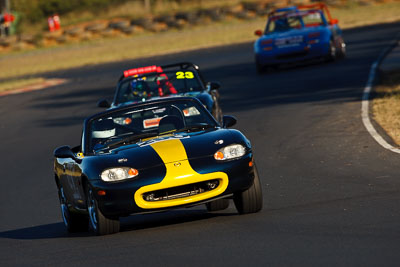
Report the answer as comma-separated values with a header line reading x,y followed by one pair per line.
x,y
230,152
117,174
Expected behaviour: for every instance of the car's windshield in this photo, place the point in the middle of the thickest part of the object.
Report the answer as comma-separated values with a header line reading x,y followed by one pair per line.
x,y
296,20
144,121
149,85
313,18
282,24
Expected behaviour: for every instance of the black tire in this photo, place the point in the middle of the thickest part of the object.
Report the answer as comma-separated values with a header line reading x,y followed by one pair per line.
x,y
96,27
341,50
74,222
98,223
250,200
145,23
332,54
217,205
217,112
119,25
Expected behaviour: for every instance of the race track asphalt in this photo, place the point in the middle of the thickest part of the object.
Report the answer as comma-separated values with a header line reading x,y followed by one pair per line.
x,y
331,193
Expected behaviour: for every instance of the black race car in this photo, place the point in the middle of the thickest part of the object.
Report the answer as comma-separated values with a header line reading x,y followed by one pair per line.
x,y
154,156
151,82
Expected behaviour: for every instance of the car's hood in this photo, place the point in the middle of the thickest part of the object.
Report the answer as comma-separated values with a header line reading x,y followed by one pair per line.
x,y
196,144
169,148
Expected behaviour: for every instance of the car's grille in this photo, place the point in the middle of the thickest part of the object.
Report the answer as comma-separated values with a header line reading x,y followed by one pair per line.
x,y
181,191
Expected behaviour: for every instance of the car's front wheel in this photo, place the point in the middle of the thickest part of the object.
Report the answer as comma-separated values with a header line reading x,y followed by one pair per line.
x,y
98,223
74,222
250,200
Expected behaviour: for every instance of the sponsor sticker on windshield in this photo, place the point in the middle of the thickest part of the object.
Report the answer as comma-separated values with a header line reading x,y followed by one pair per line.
x,y
149,123
160,110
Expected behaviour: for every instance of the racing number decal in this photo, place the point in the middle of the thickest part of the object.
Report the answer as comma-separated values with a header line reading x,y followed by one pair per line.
x,y
180,75
184,75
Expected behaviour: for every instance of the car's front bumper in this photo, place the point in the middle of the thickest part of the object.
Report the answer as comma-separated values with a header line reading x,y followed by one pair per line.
x,y
128,197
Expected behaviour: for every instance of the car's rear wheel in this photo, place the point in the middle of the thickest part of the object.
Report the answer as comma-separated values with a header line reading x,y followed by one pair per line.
x,y
98,223
217,112
217,205
250,200
341,51
332,52
74,222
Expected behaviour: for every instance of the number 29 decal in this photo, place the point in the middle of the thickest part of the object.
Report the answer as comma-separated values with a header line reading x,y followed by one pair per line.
x,y
184,75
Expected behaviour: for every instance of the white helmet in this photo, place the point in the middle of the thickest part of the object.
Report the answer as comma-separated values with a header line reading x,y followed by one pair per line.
x,y
103,128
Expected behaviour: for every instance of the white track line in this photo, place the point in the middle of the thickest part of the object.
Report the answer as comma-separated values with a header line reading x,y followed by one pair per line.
x,y
365,104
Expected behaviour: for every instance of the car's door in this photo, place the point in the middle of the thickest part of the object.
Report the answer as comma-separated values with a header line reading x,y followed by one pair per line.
x,y
75,180
65,180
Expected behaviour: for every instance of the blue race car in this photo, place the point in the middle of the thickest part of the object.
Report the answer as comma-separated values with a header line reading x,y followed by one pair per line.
x,y
298,33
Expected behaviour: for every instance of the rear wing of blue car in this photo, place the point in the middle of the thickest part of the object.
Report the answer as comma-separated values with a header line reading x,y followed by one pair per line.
x,y
282,11
304,8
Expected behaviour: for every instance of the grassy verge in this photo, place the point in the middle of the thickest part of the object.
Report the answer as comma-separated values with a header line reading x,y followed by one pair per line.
x,y
386,108
355,16
107,50
132,9
28,63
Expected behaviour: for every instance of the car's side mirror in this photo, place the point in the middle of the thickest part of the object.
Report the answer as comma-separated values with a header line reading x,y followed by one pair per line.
x,y
334,21
228,121
103,103
213,85
65,152
258,33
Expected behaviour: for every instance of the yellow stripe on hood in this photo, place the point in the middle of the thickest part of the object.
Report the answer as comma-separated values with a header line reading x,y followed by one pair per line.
x,y
179,172
170,150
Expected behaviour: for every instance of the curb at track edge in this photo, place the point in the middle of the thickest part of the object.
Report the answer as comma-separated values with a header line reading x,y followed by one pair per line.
x,y
366,97
34,87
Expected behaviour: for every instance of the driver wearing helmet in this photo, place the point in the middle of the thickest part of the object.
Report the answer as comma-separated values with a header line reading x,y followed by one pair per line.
x,y
281,25
103,130
139,88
